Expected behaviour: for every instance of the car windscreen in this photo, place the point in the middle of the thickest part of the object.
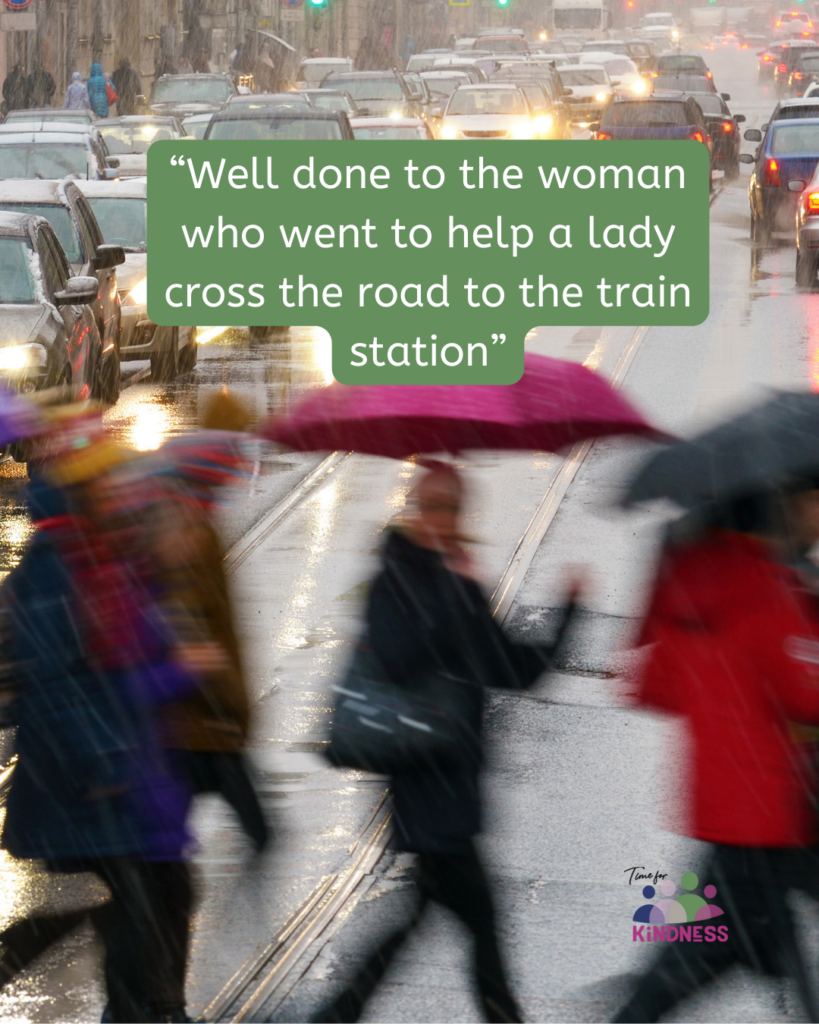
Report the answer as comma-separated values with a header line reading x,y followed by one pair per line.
x,y
363,89
503,45
276,128
610,48
16,281
683,83
389,133
678,62
196,129
43,160
620,67
808,63
653,114
192,90
577,78
796,139
60,219
314,73
710,104
421,63
122,221
577,17
445,86
486,101
134,138
331,101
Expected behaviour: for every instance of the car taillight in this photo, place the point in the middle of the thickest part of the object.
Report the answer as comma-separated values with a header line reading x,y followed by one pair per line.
x,y
768,56
772,174
697,136
812,204
602,135
727,126
782,68
708,74
797,76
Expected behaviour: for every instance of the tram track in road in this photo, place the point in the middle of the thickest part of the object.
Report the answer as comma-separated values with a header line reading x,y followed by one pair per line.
x,y
269,976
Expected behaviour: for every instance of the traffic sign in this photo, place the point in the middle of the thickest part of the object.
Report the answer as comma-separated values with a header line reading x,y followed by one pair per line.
x,y
17,5
292,3
460,3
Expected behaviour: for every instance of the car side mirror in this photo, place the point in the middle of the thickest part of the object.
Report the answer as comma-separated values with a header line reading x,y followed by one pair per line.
x,y
110,174
796,185
436,111
746,158
726,96
568,92
753,135
112,161
108,256
739,118
765,127
594,127
78,291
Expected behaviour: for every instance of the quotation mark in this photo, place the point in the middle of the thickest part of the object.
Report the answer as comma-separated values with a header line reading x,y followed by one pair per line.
x,y
177,161
498,338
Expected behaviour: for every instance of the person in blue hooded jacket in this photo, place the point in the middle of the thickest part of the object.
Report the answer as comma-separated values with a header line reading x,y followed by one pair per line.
x,y
97,86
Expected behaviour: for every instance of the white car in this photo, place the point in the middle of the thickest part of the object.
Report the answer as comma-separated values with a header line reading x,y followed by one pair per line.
x,y
313,70
623,73
121,209
52,154
489,111
591,93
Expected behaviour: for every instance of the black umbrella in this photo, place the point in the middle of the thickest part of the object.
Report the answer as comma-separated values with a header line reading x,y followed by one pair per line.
x,y
773,447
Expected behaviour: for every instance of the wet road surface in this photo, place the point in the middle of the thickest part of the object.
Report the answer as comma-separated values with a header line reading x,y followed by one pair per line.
x,y
574,780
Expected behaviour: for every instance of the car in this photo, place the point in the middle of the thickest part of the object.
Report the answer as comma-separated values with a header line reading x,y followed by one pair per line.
x,y
48,333
279,124
812,92
313,70
638,52
788,59
489,111
502,43
621,70
45,154
423,61
371,129
680,64
52,114
195,125
478,68
332,99
789,153
683,83
180,95
66,209
723,127
805,73
50,127
807,232
546,76
121,209
376,93
418,91
767,60
266,100
793,109
129,138
591,92
728,40
665,115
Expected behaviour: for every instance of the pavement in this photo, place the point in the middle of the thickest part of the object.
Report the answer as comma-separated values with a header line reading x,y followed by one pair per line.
x,y
579,787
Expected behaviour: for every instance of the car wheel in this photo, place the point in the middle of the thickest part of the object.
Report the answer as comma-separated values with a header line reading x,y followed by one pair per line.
x,y
189,354
110,378
760,234
805,271
165,362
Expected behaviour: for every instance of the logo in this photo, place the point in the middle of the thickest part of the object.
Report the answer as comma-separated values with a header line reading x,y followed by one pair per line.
x,y
679,914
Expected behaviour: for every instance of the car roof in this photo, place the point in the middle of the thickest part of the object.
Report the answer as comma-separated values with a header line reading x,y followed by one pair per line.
x,y
786,123
482,86
136,119
26,190
23,137
197,76
795,102
17,224
346,76
196,117
282,113
443,74
50,127
323,92
665,96
132,188
297,96
387,122
581,67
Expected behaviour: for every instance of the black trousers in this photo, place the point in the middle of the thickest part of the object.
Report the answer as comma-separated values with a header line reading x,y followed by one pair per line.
x,y
215,772
144,928
752,888
459,883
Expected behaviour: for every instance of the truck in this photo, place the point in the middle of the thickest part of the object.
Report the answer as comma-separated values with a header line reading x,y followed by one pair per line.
x,y
590,18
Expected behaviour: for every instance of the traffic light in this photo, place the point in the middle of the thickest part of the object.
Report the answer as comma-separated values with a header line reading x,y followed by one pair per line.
x,y
318,3
503,3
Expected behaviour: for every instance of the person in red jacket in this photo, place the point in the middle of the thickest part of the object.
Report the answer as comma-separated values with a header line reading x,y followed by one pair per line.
x,y
735,654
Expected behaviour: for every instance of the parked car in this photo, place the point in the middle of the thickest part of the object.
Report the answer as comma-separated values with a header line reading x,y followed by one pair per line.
x,y
66,209
369,129
376,93
279,124
46,154
121,209
723,127
312,71
180,95
48,333
789,153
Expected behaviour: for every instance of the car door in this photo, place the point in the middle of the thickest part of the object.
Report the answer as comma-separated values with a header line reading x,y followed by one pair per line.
x,y
72,347
108,313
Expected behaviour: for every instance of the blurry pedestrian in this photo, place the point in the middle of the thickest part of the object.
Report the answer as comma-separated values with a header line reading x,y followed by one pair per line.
x,y
208,731
165,65
128,85
426,614
40,87
184,67
97,86
76,95
201,62
14,88
734,653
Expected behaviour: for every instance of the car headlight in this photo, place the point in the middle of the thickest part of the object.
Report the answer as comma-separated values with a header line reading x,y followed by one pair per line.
x,y
675,34
639,86
395,114
138,295
20,357
523,130
543,124
601,97
449,132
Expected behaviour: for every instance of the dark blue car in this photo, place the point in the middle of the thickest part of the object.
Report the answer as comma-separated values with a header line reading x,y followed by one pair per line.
x,y
784,163
667,115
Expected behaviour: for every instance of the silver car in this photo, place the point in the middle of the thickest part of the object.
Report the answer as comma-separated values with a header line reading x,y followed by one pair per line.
x,y
807,230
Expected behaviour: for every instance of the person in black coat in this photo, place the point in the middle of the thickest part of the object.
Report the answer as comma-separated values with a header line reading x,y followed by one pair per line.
x,y
427,614
128,85
15,92
40,87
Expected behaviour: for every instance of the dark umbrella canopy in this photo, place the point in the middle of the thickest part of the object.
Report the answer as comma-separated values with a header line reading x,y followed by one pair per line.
x,y
772,447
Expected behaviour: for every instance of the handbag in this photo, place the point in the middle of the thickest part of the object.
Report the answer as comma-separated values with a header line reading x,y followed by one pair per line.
x,y
110,91
380,727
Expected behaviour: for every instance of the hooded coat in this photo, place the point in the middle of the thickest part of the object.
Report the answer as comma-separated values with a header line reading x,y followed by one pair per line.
x,y
735,654
97,86
76,95
421,617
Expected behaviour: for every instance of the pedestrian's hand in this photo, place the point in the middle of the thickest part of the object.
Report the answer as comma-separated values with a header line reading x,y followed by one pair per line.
x,y
202,658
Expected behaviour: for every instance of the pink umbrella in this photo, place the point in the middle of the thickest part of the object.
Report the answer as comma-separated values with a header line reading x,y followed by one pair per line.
x,y
554,404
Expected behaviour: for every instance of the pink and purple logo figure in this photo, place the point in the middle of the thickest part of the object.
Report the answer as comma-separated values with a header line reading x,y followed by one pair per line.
x,y
683,909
